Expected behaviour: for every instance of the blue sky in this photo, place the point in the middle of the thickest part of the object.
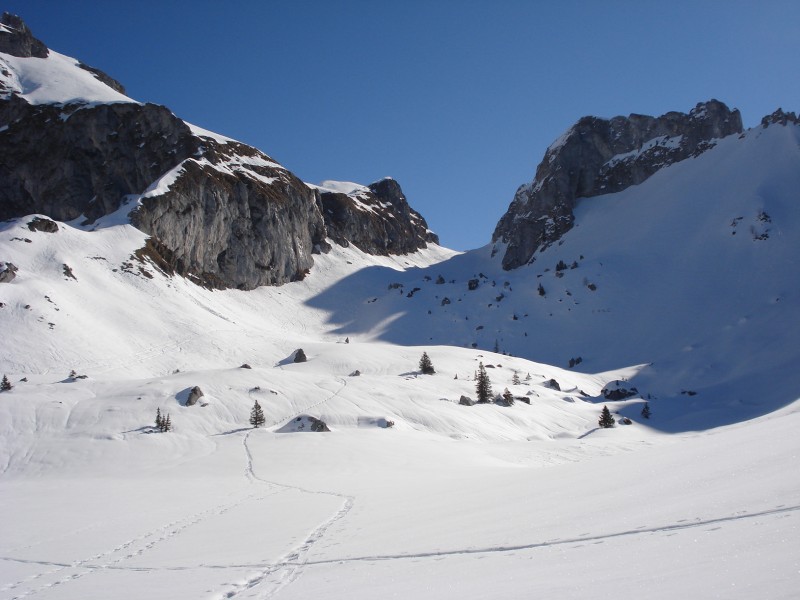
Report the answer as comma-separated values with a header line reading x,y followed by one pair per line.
x,y
457,100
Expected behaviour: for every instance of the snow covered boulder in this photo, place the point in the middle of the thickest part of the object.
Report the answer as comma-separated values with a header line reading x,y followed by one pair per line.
x,y
299,356
304,423
466,401
614,390
194,395
7,272
43,225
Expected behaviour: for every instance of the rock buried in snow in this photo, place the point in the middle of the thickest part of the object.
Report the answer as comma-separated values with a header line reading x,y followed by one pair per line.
x,y
299,356
304,423
7,272
466,401
42,224
194,396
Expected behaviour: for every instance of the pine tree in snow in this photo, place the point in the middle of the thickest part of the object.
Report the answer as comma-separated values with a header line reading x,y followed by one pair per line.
x,y
508,397
606,420
646,410
425,364
483,385
159,420
167,424
5,385
515,379
257,415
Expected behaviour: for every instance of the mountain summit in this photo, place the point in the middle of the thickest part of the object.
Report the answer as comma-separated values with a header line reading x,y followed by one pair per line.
x,y
600,156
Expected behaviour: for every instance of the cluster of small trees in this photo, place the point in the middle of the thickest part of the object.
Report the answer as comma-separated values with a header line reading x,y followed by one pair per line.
x,y
163,424
5,386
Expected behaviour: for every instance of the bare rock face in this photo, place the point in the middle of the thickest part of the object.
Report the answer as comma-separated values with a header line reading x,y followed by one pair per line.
x,y
17,40
376,219
219,212
95,156
600,156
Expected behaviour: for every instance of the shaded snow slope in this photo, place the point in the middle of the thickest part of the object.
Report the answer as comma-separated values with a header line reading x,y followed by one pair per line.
x,y
692,271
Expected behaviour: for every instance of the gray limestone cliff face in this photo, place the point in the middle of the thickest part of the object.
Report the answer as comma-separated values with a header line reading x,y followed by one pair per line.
x,y
377,220
600,156
234,219
218,211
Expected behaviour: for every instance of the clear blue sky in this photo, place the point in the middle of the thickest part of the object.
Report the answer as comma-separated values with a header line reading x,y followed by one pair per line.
x,y
457,100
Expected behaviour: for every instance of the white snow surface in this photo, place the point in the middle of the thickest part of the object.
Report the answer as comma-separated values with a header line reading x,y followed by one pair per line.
x,y
56,79
697,291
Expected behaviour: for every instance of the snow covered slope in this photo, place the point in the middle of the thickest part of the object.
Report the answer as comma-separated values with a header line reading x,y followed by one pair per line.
x,y
692,272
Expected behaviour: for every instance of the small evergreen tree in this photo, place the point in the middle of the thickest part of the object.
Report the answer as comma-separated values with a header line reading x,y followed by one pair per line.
x,y
508,397
483,385
159,420
541,290
425,365
167,424
496,348
606,420
73,374
528,377
515,379
5,385
646,410
257,415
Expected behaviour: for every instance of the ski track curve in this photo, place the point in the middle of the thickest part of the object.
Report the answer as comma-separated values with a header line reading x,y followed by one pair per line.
x,y
287,568
113,557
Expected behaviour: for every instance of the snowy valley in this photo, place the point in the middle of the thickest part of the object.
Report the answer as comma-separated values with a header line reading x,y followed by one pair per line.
x,y
679,293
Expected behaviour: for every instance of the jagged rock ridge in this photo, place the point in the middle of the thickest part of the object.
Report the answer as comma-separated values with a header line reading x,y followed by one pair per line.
x,y
376,219
600,156
219,211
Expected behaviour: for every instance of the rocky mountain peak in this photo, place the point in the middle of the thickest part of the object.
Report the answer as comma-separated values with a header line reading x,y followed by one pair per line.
x,y
599,156
17,40
377,218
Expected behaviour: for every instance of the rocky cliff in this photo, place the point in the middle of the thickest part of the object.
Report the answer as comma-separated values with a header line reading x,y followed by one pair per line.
x,y
600,156
218,211
376,218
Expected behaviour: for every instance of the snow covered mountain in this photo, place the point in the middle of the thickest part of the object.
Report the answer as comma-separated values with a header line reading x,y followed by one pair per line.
x,y
678,291
217,210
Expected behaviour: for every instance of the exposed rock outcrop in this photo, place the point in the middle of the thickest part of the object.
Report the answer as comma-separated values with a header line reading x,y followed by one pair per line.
x,y
17,40
8,271
194,395
600,156
376,219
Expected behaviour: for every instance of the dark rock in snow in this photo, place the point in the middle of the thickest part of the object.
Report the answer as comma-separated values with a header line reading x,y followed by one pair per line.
x,y
245,366
466,401
299,356
304,423
194,396
7,272
600,156
42,224
553,385
615,390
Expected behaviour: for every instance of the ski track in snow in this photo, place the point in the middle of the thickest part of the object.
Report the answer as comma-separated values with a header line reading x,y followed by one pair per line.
x,y
125,551
288,567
